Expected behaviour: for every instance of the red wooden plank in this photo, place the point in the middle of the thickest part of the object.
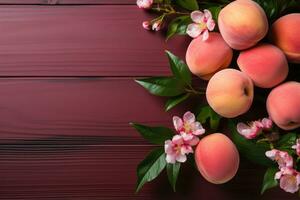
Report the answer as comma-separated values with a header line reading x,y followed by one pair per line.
x,y
55,107
106,172
81,41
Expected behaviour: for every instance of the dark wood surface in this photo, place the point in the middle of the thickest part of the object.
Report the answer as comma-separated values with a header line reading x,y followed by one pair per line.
x,y
67,96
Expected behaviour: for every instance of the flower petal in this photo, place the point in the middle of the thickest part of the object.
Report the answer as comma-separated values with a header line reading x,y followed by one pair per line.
x,y
194,141
278,175
267,123
146,25
178,123
146,4
181,158
186,136
177,139
199,132
298,178
168,146
193,30
210,24
207,14
197,16
171,158
205,35
189,117
271,154
289,183
245,130
186,149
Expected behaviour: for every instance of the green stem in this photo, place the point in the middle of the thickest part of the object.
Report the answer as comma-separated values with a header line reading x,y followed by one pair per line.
x,y
169,10
194,91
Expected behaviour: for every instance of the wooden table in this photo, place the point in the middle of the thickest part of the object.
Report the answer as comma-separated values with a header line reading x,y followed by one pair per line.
x,y
67,95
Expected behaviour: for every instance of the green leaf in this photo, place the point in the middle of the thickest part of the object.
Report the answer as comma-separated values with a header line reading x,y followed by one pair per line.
x,y
255,152
150,167
269,180
215,10
155,135
207,113
188,4
178,26
173,171
172,102
287,140
275,8
179,69
162,86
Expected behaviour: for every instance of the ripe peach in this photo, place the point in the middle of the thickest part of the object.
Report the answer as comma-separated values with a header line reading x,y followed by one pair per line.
x,y
230,93
283,105
204,58
242,24
265,64
285,34
217,158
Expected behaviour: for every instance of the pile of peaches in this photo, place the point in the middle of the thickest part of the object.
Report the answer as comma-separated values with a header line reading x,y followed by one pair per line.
x,y
263,61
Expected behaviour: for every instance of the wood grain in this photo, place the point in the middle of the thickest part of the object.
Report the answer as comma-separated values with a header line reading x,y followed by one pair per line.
x,y
65,105
54,107
81,41
108,172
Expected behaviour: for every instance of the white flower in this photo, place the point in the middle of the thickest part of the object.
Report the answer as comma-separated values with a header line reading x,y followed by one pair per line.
x,y
203,23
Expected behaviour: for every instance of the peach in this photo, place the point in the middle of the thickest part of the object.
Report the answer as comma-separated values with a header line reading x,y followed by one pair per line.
x,y
242,24
285,33
265,64
230,93
217,158
283,105
204,58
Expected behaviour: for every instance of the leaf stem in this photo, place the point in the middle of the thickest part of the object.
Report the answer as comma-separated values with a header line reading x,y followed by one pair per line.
x,y
168,10
194,91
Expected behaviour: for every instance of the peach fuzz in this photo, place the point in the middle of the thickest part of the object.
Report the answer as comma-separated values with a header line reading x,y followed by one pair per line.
x,y
217,158
285,33
242,24
265,64
283,105
204,58
230,93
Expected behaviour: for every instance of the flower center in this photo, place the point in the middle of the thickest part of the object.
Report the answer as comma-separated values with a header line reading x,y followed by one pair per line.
x,y
187,128
291,180
177,149
203,26
279,160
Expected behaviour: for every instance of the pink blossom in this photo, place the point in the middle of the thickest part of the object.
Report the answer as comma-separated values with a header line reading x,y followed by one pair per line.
x,y
177,149
249,131
145,4
203,23
266,123
253,129
147,25
289,179
282,158
188,127
156,26
297,147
